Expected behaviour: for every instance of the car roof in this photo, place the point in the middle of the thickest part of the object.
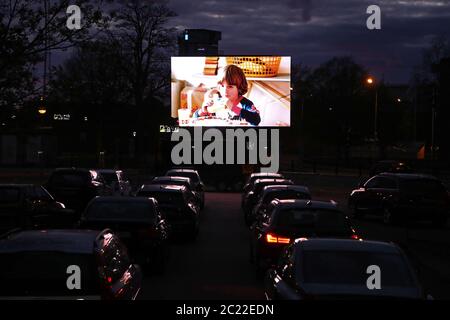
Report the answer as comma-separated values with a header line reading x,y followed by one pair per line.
x,y
328,244
172,178
275,180
182,170
304,204
265,174
18,185
73,169
70,241
107,170
407,175
119,199
162,187
390,162
274,188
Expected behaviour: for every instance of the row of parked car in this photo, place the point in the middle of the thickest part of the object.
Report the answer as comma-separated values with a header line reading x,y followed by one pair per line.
x,y
50,228
309,249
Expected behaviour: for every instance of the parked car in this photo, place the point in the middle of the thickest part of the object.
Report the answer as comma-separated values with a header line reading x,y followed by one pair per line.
x,y
252,197
393,166
290,219
259,175
76,187
66,264
180,181
117,181
402,197
178,205
281,192
31,206
332,269
139,224
198,186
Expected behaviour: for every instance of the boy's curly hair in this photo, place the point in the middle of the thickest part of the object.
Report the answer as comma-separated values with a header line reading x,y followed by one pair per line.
x,y
234,75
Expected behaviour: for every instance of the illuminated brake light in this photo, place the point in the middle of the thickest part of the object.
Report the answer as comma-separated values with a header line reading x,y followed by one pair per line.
x,y
283,240
109,279
354,237
272,238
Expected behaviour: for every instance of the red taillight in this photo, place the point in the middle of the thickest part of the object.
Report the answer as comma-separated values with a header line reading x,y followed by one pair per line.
x,y
354,237
109,280
273,238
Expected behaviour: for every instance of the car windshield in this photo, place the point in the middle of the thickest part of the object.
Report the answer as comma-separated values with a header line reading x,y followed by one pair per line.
x,y
350,268
110,177
422,186
323,221
285,194
124,211
8,195
46,274
164,198
74,180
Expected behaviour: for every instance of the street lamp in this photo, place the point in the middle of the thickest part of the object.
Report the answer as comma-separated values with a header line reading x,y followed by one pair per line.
x,y
42,110
371,81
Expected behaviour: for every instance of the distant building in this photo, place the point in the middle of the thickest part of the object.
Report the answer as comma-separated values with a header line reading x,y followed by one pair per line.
x,y
199,42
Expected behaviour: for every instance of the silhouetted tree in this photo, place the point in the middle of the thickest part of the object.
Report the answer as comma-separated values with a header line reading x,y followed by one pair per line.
x,y
28,29
140,29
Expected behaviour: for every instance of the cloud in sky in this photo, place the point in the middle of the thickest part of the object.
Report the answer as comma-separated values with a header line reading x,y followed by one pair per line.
x,y
314,31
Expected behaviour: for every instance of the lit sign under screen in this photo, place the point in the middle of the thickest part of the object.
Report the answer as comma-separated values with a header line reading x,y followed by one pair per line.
x,y
199,98
61,117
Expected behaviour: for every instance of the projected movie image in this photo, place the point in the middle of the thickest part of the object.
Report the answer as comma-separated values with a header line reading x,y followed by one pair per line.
x,y
245,91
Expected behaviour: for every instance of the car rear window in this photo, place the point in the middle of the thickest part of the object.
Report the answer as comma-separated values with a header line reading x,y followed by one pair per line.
x,y
110,177
123,211
350,267
422,186
260,186
285,194
70,180
8,195
324,221
175,198
192,175
46,274
172,183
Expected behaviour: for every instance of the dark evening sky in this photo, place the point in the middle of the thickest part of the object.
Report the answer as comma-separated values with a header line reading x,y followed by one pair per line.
x,y
312,31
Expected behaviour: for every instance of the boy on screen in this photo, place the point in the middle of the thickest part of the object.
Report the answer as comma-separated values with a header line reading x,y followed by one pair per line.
x,y
232,85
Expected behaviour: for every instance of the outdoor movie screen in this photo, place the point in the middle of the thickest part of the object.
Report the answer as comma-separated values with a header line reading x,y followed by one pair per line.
x,y
235,91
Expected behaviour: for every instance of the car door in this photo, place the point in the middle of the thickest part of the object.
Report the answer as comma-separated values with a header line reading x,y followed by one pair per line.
x,y
285,287
383,187
124,278
50,213
367,199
